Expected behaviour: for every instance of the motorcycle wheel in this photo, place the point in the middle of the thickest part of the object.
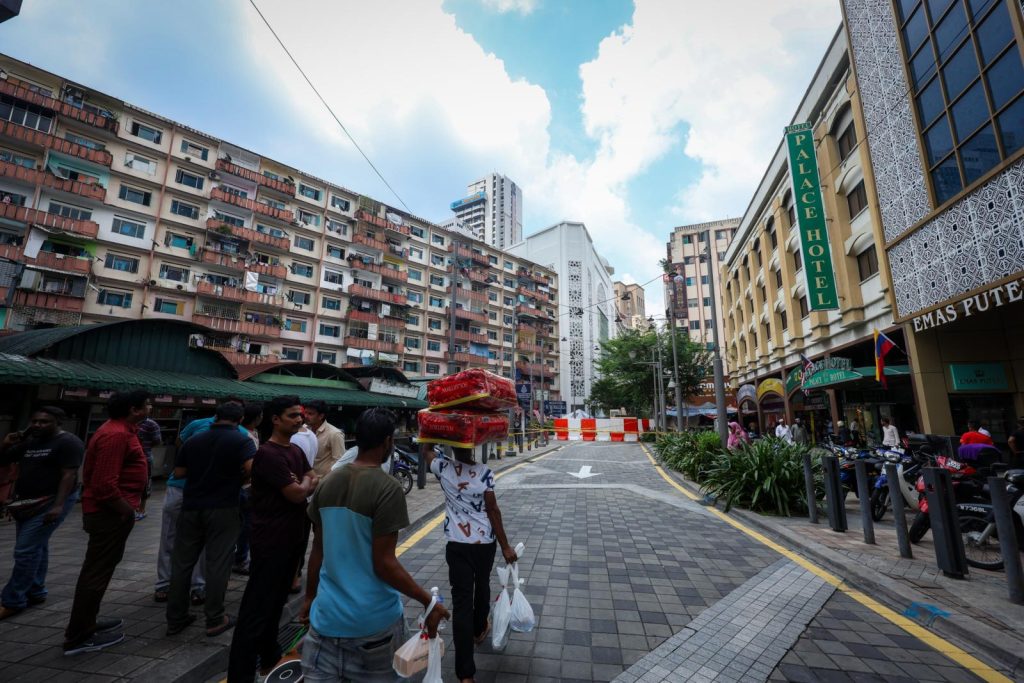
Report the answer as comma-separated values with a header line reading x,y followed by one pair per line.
x,y
879,503
405,479
982,556
922,522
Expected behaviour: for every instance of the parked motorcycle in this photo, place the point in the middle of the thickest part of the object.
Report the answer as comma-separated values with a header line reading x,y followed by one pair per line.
x,y
978,525
908,467
402,465
967,488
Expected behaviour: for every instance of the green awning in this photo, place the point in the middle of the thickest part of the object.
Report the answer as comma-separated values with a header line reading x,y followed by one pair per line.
x,y
16,369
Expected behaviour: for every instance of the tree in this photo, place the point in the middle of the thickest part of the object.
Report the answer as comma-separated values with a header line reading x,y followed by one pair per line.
x,y
626,379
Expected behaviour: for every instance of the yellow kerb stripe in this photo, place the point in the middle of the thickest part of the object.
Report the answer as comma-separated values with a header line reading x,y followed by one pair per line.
x,y
964,659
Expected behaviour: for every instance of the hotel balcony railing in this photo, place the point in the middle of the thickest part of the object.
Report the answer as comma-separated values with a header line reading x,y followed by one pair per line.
x,y
222,195
21,214
30,136
14,89
282,186
372,344
31,175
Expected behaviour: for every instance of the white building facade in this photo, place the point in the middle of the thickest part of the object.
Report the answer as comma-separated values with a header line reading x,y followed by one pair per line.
x,y
492,211
586,304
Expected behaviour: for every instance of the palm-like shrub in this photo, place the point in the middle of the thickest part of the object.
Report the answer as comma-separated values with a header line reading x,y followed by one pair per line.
x,y
691,453
765,476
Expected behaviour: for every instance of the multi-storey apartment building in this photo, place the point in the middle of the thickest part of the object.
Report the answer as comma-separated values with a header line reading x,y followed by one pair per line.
x,y
696,252
109,212
492,210
629,306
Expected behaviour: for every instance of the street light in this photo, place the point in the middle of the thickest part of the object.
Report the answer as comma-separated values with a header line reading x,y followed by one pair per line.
x,y
678,279
723,426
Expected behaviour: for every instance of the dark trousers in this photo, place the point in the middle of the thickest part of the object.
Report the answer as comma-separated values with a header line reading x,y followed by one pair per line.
x,y
469,570
215,531
245,515
270,579
108,534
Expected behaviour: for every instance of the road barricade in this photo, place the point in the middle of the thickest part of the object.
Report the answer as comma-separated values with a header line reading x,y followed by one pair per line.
x,y
626,429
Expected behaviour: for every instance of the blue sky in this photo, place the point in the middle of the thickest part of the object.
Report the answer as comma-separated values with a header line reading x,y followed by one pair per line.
x,y
630,116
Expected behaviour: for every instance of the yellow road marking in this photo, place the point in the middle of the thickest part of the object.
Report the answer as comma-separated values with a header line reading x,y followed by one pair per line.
x,y
961,657
439,519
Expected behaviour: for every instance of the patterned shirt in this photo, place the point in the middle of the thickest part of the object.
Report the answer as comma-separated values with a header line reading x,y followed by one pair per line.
x,y
464,487
115,467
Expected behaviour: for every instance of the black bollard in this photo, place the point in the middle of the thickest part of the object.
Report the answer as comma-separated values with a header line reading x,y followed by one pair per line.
x,y
864,496
834,494
949,545
812,503
421,471
899,512
1007,538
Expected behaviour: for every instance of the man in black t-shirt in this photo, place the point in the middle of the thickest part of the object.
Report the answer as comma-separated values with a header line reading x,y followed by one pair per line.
x,y
46,490
214,465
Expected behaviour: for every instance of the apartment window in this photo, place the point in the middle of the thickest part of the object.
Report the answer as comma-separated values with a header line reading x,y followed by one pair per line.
x,y
123,226
433,324
778,279
22,114
140,164
333,277
330,330
433,345
694,324
509,265
17,159
69,211
437,302
272,203
798,261
191,149
83,141
507,338
507,319
867,263
412,342
266,230
968,86
436,260
183,209
435,238
688,260
331,304
187,179
857,200
176,241
412,319
294,325
509,282
437,280
416,253
291,353
230,219
721,256
146,133
110,297
304,243
802,303
297,297
508,301
703,279
174,273
335,252
302,269
491,315
125,264
310,192
410,366
691,303
414,274
790,209
337,226
135,195
847,141
170,306
309,218
433,369
784,320
707,301
340,203
691,281
417,231
707,324
238,192
414,297
492,296
773,238
329,357
687,239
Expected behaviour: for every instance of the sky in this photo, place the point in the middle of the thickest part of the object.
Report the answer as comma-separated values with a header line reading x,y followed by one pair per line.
x,y
630,116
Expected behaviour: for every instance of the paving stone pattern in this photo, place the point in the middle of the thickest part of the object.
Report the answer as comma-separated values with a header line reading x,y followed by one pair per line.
x,y
848,643
743,636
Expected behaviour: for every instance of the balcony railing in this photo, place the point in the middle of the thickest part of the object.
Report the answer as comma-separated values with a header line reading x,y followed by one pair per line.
x,y
49,300
466,314
227,292
377,295
534,294
372,242
242,358
80,265
30,136
470,358
528,312
380,269
463,293
272,269
22,214
467,253
371,344
247,234
481,277
34,177
363,316
535,369
222,195
282,186
235,326
14,89
465,335
523,273
225,259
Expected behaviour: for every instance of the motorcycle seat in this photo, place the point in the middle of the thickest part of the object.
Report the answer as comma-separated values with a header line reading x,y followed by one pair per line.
x,y
1015,477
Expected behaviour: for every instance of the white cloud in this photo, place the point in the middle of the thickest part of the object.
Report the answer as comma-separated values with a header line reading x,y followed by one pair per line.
x,y
503,6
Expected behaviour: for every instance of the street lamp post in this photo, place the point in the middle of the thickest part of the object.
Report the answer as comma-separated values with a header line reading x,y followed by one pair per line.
x,y
675,355
723,425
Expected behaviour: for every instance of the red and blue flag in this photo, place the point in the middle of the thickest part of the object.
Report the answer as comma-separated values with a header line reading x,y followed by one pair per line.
x,y
883,345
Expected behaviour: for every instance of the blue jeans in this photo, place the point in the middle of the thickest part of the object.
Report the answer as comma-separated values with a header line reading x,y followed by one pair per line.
x,y
367,660
32,557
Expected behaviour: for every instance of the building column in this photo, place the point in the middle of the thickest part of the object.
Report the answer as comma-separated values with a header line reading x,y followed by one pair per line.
x,y
928,374
787,408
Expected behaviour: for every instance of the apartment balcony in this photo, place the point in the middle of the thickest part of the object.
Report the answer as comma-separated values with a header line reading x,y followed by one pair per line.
x,y
30,136
467,358
264,299
242,358
371,242
363,316
529,346
237,326
528,312
481,277
21,214
383,270
372,344
525,274
248,234
11,87
377,295
467,253
463,293
535,369
45,259
466,335
226,292
282,186
222,195
224,259
367,217
394,274
34,177
466,314
53,301
534,294
271,269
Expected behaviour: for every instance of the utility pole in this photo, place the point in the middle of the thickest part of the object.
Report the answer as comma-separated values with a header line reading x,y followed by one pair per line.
x,y
675,354
451,312
723,420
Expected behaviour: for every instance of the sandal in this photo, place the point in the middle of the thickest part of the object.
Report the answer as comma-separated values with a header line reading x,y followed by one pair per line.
x,y
483,636
160,596
175,630
227,624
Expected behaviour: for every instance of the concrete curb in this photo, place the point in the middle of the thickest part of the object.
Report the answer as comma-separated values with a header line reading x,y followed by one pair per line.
x,y
964,629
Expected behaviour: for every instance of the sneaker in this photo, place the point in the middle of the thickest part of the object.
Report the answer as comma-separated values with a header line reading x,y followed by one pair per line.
x,y
95,642
139,516
108,625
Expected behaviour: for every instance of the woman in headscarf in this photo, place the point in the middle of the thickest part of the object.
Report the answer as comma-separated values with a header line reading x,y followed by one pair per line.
x,y
737,435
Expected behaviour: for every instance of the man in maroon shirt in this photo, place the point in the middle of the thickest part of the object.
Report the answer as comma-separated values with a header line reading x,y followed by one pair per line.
x,y
114,478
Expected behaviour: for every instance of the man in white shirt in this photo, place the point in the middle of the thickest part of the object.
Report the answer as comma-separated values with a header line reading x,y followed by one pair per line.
x,y
890,435
782,431
305,439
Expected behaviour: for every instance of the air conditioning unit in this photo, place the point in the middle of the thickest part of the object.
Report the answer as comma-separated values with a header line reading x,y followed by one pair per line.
x,y
181,286
152,283
189,159
213,175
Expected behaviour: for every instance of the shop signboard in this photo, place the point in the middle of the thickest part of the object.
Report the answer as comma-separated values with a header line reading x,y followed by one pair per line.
x,y
828,371
978,377
747,392
555,408
1007,293
772,385
524,393
810,219
793,379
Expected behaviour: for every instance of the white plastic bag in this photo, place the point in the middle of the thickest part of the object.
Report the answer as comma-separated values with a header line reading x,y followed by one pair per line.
x,y
522,619
433,674
502,613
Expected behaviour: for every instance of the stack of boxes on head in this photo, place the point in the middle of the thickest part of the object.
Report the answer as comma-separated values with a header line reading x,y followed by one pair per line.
x,y
467,409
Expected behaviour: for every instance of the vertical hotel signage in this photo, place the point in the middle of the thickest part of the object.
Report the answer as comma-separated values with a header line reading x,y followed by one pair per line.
x,y
810,218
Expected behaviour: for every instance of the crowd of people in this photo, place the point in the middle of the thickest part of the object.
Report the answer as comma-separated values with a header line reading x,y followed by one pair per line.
x,y
234,502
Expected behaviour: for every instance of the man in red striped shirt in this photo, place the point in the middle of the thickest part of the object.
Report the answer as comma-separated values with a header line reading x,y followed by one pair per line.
x,y
114,478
